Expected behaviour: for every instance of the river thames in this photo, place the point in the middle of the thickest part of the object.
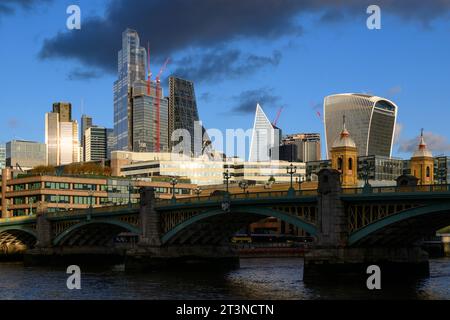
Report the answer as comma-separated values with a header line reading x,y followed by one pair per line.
x,y
257,278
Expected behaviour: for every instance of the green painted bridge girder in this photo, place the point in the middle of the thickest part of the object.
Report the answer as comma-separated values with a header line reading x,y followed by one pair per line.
x,y
306,226
397,217
79,225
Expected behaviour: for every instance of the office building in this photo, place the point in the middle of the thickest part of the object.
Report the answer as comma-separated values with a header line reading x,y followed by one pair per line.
x,y
442,169
379,170
61,136
370,120
111,142
25,154
200,170
21,195
183,114
265,140
145,118
95,144
86,123
131,68
2,155
307,147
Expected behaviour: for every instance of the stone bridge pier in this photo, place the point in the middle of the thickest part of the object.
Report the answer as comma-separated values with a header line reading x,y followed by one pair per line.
x,y
150,253
332,259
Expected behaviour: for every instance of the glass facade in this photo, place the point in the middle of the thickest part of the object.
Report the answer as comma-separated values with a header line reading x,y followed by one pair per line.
x,y
265,137
95,144
145,119
183,113
27,154
131,68
369,119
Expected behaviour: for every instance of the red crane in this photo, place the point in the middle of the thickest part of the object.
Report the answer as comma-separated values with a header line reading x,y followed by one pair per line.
x,y
158,97
274,123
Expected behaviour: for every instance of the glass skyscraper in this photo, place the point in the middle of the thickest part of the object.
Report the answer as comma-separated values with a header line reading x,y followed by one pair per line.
x,y
131,68
61,136
369,119
265,138
183,113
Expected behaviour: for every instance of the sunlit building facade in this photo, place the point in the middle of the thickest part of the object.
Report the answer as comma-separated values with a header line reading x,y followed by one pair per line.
x,y
265,140
369,119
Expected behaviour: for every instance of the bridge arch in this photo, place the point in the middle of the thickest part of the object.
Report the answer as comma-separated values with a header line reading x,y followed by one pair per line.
x,y
248,214
19,236
98,231
403,227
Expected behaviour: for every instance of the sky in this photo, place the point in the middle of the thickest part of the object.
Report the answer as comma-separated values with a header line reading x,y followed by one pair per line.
x,y
280,53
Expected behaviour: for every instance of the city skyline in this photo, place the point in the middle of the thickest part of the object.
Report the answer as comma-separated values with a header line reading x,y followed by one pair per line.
x,y
393,73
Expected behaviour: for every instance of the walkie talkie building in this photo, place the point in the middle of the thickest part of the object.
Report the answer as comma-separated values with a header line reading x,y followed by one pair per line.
x,y
369,119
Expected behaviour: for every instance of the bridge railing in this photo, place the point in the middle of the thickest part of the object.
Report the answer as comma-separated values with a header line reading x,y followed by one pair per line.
x,y
400,189
97,210
238,196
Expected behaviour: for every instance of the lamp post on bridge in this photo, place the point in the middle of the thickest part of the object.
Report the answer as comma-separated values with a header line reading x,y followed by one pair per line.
x,y
291,170
173,182
130,189
226,176
244,186
197,191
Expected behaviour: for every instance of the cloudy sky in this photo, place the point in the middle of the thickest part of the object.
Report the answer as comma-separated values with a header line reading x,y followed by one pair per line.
x,y
288,53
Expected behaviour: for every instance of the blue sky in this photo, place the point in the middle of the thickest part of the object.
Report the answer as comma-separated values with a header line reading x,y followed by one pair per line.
x,y
406,61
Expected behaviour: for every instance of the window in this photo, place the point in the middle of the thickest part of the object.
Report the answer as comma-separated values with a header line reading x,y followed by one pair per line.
x,y
34,185
83,200
57,199
428,172
19,187
84,186
350,164
340,163
56,185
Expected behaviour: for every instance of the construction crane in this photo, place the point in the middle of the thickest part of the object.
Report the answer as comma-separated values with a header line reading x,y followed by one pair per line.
x,y
158,97
274,123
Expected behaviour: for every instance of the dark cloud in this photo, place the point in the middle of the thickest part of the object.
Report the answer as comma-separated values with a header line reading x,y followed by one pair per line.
x,y
79,74
174,26
436,143
247,100
219,64
10,6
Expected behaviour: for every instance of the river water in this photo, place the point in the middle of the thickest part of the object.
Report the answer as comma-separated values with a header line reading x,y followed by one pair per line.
x,y
257,278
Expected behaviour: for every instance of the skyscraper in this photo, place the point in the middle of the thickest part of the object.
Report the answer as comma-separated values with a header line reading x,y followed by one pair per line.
x,y
370,119
2,155
144,119
96,144
26,154
183,113
265,137
61,136
86,123
307,146
131,68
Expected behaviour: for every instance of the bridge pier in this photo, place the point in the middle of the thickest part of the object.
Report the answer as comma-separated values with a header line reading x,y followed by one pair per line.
x,y
150,254
331,258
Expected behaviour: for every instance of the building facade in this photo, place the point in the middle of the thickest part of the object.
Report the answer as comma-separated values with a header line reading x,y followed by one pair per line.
x,y
86,123
201,170
95,144
131,68
370,119
20,195
307,147
25,154
61,136
183,114
2,155
265,140
145,118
